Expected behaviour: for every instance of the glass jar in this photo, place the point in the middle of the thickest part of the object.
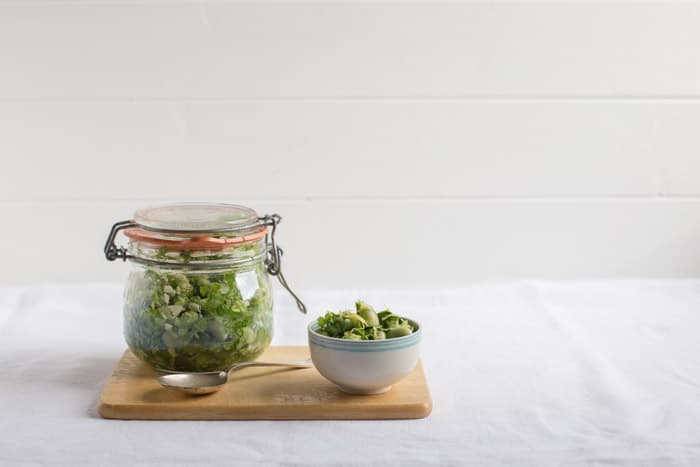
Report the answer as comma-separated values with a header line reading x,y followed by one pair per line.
x,y
199,296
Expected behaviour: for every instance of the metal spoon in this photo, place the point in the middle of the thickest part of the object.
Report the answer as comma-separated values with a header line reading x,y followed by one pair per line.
x,y
206,383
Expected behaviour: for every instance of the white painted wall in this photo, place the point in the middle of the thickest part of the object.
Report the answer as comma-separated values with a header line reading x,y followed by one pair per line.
x,y
405,143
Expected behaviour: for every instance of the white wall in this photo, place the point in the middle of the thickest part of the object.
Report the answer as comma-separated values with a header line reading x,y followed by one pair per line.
x,y
405,143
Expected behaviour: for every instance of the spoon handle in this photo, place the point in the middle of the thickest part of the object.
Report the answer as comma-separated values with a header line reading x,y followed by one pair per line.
x,y
298,364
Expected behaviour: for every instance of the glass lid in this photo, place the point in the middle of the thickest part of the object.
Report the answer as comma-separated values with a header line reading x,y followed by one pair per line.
x,y
196,217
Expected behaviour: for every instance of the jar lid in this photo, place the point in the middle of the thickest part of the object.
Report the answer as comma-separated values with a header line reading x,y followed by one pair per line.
x,y
196,217
194,226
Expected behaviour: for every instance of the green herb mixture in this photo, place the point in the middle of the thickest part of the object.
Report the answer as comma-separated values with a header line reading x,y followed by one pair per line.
x,y
363,324
187,320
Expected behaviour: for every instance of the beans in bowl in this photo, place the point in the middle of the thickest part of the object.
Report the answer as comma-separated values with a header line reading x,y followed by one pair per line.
x,y
363,324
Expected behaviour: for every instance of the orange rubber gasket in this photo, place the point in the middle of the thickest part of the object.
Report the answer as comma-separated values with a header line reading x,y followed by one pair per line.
x,y
195,243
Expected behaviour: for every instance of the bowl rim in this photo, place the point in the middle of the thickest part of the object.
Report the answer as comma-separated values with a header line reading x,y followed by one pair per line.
x,y
417,333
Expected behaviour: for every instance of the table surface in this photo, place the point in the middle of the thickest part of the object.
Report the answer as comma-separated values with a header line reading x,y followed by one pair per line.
x,y
521,373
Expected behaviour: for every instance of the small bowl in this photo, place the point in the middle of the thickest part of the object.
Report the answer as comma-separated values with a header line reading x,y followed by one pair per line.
x,y
364,367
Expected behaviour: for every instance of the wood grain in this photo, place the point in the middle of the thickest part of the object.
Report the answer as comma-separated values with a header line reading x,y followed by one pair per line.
x,y
259,394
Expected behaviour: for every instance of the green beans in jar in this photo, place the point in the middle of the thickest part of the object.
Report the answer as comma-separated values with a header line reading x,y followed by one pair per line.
x,y
195,321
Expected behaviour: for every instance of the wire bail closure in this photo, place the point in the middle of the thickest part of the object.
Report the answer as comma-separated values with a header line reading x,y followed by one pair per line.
x,y
273,262
112,251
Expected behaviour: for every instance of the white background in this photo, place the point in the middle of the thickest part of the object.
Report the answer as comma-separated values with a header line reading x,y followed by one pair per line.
x,y
405,143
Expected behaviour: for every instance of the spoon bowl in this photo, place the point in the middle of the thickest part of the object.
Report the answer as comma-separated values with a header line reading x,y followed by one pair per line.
x,y
195,383
207,383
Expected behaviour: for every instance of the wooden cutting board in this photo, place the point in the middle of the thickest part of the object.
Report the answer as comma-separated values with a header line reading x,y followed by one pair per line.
x,y
259,394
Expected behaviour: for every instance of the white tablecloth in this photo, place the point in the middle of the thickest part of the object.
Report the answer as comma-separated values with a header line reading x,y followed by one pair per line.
x,y
522,373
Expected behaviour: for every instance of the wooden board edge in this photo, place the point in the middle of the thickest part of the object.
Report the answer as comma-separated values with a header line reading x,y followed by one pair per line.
x,y
109,411
117,412
426,408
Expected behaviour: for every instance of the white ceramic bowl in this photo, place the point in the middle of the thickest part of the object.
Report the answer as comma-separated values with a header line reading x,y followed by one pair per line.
x,y
364,367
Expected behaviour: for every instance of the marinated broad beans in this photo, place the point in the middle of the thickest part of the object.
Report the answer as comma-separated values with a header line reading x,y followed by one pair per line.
x,y
194,321
363,324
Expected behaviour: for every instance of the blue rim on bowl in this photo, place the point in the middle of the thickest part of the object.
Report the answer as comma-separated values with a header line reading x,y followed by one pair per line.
x,y
346,345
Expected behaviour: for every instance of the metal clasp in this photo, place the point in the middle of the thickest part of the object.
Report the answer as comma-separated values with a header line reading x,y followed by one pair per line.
x,y
112,251
273,261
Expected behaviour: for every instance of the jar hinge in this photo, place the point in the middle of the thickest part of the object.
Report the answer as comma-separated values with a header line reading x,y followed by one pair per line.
x,y
112,251
273,262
